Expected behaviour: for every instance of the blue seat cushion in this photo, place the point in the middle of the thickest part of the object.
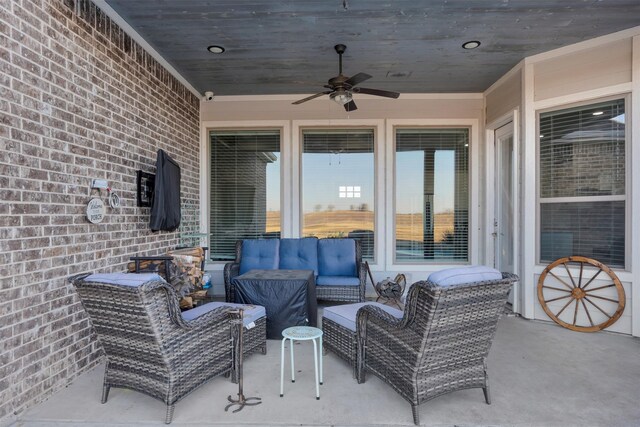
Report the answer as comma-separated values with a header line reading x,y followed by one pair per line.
x,y
337,257
337,281
124,279
345,315
251,312
259,254
460,275
299,254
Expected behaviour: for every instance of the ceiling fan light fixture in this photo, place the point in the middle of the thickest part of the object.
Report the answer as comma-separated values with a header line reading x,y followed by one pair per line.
x,y
471,44
341,97
216,49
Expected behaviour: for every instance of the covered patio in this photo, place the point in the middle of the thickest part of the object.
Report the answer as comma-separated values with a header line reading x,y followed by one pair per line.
x,y
492,133
540,375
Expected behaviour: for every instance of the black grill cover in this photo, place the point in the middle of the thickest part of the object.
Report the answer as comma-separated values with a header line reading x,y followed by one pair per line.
x,y
165,206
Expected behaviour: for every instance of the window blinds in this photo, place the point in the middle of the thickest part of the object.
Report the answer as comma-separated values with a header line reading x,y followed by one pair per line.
x,y
582,184
338,187
244,188
432,195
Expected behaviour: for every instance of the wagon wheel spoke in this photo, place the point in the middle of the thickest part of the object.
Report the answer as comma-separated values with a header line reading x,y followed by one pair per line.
x,y
613,285
556,299
575,313
580,277
556,289
606,299
596,306
565,306
561,281
573,282
587,311
591,280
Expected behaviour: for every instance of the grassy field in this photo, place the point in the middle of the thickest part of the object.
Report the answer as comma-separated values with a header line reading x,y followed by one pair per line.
x,y
333,224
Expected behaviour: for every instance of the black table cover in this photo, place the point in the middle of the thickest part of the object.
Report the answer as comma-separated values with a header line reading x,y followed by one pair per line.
x,y
288,296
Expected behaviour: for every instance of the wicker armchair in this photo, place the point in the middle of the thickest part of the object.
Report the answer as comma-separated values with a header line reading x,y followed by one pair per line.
x,y
441,343
149,347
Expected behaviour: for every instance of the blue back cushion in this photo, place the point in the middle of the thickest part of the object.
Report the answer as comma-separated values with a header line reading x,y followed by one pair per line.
x,y
261,254
337,257
299,254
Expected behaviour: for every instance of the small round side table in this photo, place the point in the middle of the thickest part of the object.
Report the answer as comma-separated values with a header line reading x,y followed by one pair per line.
x,y
302,333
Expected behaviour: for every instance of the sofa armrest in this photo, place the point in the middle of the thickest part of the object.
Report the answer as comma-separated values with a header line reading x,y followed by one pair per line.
x,y
362,275
231,270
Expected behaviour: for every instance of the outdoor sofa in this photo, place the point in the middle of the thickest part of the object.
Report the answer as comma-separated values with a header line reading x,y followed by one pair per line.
x,y
336,263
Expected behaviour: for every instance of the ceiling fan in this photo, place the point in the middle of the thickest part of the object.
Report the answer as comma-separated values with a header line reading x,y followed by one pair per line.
x,y
342,87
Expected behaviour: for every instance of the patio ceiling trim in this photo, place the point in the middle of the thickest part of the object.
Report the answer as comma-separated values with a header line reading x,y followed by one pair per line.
x,y
294,97
505,77
108,10
587,44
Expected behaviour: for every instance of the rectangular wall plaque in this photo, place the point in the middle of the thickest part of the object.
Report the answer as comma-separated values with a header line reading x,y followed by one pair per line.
x,y
146,183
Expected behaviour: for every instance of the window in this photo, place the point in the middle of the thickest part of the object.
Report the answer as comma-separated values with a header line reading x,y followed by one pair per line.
x,y
582,183
432,195
244,190
338,185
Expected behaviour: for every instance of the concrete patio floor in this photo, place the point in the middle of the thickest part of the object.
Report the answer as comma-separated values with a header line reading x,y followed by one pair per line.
x,y
540,375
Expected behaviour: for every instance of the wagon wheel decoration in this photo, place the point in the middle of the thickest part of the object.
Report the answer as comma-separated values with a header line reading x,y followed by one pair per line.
x,y
586,303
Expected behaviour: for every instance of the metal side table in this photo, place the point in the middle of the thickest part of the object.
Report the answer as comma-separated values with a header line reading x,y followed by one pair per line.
x,y
302,333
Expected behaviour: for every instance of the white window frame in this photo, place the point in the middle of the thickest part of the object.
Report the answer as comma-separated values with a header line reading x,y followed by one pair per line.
x,y
298,126
476,185
205,171
575,199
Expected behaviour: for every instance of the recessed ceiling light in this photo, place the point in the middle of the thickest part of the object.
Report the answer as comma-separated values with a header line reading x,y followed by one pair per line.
x,y
598,113
471,44
216,49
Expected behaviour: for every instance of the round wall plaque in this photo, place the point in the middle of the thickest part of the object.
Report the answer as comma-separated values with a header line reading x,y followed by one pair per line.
x,y
95,211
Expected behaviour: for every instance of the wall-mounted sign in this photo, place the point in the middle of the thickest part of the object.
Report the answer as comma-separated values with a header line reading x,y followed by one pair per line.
x,y
146,184
95,211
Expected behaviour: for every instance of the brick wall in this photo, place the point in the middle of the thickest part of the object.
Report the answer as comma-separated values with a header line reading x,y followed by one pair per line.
x,y
79,99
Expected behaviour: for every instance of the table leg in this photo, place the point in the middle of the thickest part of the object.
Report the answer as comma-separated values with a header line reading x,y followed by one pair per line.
x,y
320,356
293,369
282,367
315,365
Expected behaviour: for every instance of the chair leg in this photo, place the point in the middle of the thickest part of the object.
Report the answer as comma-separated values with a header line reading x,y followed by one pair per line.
x,y
105,393
487,396
416,414
485,389
169,416
264,348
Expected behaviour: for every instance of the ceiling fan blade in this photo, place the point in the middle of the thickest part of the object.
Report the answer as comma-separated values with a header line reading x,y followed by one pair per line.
x,y
309,98
358,78
376,92
350,106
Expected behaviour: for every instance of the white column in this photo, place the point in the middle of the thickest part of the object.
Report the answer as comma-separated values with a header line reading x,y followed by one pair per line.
x,y
528,162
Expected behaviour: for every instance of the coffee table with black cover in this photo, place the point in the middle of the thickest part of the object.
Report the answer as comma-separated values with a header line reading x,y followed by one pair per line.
x,y
288,296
